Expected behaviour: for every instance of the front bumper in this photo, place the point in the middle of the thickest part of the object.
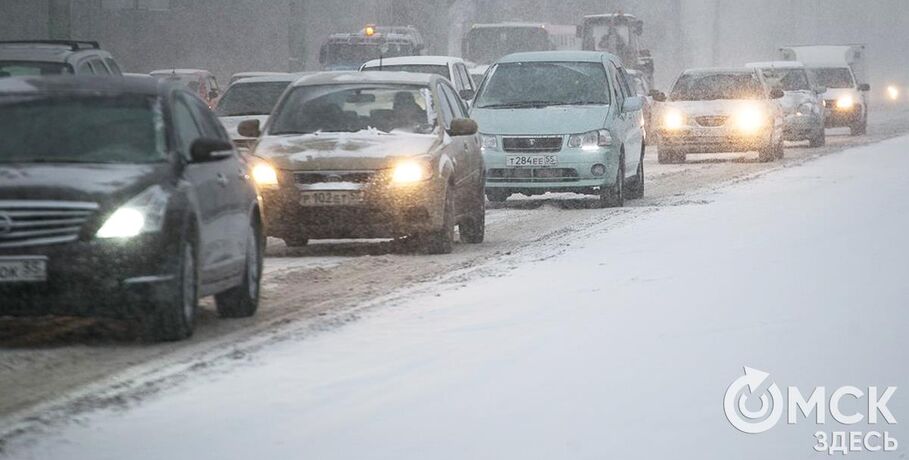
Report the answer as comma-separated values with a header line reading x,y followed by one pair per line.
x,y
714,140
574,172
119,279
386,211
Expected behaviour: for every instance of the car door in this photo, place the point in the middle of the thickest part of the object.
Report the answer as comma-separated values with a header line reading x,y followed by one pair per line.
x,y
236,190
209,197
631,123
464,150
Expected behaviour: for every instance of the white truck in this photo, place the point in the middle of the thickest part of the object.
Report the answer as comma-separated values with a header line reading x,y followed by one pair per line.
x,y
843,70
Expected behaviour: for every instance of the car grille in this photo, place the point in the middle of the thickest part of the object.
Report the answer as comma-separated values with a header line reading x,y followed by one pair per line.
x,y
712,121
322,177
38,223
532,175
532,144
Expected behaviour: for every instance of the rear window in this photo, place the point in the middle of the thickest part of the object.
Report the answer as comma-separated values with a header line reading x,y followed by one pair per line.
x,y
30,68
717,86
787,79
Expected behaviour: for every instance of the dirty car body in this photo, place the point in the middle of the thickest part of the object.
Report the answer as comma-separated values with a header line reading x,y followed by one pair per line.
x,y
369,155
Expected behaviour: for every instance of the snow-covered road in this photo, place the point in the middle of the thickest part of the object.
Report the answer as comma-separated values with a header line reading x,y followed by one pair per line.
x,y
620,346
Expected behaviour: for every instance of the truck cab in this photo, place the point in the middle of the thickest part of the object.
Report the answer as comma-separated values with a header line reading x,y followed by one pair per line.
x,y
621,35
349,51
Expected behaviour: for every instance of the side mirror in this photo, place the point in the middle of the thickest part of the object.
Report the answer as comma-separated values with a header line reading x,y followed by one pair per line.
x,y
777,93
820,90
633,104
249,128
463,127
658,96
208,150
864,87
213,94
467,94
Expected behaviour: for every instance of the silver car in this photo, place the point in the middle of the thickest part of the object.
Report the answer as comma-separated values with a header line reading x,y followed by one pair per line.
x,y
803,103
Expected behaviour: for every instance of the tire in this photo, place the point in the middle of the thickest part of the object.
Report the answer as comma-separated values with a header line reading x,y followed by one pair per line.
x,y
473,230
614,197
243,300
767,154
860,128
296,241
174,319
441,241
497,196
635,191
667,156
819,139
780,150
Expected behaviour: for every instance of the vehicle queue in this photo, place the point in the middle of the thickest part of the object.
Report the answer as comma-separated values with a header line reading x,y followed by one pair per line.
x,y
137,178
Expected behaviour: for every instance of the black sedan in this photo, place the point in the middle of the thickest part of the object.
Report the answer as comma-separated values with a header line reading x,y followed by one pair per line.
x,y
123,198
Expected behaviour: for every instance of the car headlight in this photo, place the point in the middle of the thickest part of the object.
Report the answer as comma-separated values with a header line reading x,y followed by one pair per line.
x,y
805,109
673,120
142,214
893,92
590,141
750,120
489,142
411,172
845,103
265,175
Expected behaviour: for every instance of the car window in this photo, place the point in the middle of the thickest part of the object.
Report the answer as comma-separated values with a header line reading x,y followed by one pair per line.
x,y
185,125
627,85
114,68
716,86
454,101
32,68
447,107
457,79
211,127
468,82
618,86
543,84
85,68
99,67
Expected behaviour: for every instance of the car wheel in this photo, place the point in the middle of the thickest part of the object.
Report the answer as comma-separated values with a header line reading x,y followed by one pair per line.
x,y
295,241
441,241
243,300
860,128
780,149
668,156
767,154
497,196
473,229
614,197
819,139
174,319
636,189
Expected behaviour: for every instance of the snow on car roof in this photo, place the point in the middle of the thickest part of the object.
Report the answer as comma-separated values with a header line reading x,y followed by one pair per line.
x,y
775,65
180,72
277,78
336,78
558,56
415,60
718,70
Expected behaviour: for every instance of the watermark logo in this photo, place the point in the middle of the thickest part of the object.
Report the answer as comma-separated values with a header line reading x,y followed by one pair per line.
x,y
753,403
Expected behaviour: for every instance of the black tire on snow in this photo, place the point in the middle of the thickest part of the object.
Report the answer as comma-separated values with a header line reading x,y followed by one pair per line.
x,y
819,139
614,197
441,241
243,300
635,190
473,229
174,319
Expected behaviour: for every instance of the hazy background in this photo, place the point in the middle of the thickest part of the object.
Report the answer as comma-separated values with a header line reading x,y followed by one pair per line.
x,y
228,36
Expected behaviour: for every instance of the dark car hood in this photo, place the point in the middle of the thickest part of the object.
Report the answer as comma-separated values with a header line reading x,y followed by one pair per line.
x,y
105,184
366,150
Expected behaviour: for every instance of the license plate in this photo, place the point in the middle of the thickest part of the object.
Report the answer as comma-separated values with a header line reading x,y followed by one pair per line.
x,y
23,269
331,198
531,161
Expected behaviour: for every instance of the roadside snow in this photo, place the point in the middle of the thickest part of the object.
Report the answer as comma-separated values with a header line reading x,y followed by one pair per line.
x,y
622,347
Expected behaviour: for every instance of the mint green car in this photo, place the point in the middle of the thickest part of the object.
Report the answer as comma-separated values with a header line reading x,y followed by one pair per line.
x,y
561,121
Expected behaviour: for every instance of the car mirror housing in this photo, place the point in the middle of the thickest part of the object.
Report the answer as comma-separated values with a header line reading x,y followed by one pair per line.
x,y
249,128
821,90
864,87
658,96
208,150
633,104
463,127
777,93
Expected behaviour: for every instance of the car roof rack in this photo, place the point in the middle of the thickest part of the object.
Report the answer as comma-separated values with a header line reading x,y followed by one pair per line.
x,y
75,45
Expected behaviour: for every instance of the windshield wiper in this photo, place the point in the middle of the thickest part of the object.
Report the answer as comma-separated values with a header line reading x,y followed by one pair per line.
x,y
519,105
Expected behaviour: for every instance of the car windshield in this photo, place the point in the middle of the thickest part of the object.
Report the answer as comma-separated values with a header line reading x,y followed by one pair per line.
x,y
787,79
32,68
834,77
250,99
541,84
413,68
80,129
716,86
485,45
352,108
